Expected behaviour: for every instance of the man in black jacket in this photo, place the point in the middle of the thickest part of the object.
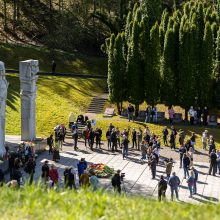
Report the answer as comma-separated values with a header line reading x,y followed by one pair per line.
x,y
186,163
134,138
162,187
116,181
45,171
114,140
182,151
91,138
213,163
69,179
153,165
98,135
30,169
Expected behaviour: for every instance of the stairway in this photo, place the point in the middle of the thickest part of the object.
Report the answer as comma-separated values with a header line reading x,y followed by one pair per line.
x,y
97,104
80,131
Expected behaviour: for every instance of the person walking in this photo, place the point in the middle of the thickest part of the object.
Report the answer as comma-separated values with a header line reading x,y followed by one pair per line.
x,y
75,138
153,166
162,187
182,151
108,137
116,181
118,137
54,176
143,151
172,140
196,175
134,138
165,134
193,141
30,169
45,171
69,179
125,143
130,112
169,167
85,135
174,183
186,163
190,182
50,144
213,163
139,137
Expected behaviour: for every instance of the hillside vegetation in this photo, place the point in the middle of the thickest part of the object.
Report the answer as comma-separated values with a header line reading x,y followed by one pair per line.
x,y
36,203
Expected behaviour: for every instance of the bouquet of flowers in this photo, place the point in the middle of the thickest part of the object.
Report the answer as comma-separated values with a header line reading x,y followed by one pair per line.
x,y
101,170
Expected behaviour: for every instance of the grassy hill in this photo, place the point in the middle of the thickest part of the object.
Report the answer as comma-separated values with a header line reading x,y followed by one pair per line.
x,y
56,98
75,62
36,203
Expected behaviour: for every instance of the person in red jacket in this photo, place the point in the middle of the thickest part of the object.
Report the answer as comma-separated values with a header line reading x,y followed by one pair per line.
x,y
53,174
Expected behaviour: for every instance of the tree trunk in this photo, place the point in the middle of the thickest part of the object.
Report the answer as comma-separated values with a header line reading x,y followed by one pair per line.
x,y
136,110
186,114
118,108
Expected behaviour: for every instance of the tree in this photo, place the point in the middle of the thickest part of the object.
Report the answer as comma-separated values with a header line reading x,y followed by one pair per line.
x,y
134,69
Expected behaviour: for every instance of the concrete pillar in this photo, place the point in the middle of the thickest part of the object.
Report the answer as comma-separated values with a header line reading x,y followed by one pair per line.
x,y
28,78
3,98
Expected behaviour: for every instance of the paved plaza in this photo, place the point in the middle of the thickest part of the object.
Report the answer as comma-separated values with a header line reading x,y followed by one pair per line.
x,y
138,179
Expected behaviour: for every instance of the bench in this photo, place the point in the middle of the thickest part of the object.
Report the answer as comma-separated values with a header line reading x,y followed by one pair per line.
x,y
213,120
109,112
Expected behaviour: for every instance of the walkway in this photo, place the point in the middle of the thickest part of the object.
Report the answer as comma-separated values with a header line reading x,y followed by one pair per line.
x,y
138,176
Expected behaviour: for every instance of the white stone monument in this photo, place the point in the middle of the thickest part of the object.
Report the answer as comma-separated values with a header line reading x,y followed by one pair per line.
x,y
28,70
3,98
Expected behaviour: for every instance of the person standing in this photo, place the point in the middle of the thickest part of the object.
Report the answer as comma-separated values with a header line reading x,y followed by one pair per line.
x,y
199,115
165,134
30,169
50,144
171,113
204,139
16,173
84,180
211,144
45,171
81,166
86,135
181,137
153,166
134,138
193,141
186,163
190,182
69,179
118,136
60,136
125,142
169,167
139,137
172,140
108,137
56,152
182,151
143,151
91,138
113,138
192,115
162,187
53,174
154,114
94,181
130,112
148,114
174,183
213,163
196,175
75,138
205,116
98,136
116,181
53,66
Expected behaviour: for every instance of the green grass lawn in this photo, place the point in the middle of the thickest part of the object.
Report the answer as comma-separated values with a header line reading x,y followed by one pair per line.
x,y
37,203
56,98
72,63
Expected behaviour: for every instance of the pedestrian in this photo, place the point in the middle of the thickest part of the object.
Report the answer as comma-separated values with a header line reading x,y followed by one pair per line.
x,y
139,137
182,151
130,112
118,137
186,163
91,138
162,187
60,137
190,182
134,138
113,138
204,139
169,166
81,166
196,175
2,177
181,137
69,179
63,131
143,151
45,171
98,136
153,166
16,173
171,113
94,181
50,144
199,115
211,144
108,137
192,115
213,163
174,183
85,135
30,169
84,180
218,161
165,134
190,155
148,114
110,127
54,176
205,116
125,143
154,115
75,136
172,140
116,181
56,152
193,141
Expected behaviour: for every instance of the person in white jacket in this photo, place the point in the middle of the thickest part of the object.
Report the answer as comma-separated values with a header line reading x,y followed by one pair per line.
x,y
204,139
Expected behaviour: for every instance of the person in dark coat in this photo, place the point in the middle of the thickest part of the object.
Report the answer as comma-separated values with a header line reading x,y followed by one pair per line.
x,y
2,177
82,166
69,179
113,138
153,165
30,169
162,187
16,173
199,115
116,181
50,143
186,163
91,138
134,138
172,140
182,151
165,134
98,136
108,137
213,163
53,66
75,138
45,171
205,115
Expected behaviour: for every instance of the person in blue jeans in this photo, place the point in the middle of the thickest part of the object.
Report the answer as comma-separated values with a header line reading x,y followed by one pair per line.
x,y
125,142
174,183
186,163
190,182
196,174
